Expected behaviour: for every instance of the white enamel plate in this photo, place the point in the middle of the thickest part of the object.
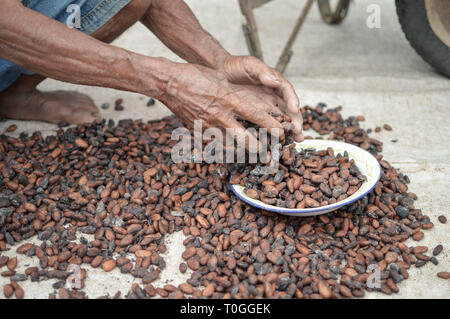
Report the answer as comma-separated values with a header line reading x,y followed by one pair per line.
x,y
366,162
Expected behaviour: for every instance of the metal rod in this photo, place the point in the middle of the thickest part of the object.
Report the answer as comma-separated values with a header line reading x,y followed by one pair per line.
x,y
287,52
333,17
257,3
252,35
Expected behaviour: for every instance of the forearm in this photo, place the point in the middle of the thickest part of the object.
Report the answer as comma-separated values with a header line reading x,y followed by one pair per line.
x,y
51,49
173,22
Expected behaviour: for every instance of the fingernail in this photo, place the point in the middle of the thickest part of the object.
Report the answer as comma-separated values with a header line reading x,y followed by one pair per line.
x,y
274,78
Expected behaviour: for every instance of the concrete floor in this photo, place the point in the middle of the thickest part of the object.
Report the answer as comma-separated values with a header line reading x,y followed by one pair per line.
x,y
371,72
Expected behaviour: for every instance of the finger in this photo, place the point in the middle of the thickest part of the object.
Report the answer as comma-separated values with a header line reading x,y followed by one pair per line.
x,y
279,102
261,118
271,78
292,108
272,98
264,97
241,135
269,108
260,73
272,103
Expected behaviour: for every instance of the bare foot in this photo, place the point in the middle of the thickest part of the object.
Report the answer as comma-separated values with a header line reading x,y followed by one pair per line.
x,y
54,107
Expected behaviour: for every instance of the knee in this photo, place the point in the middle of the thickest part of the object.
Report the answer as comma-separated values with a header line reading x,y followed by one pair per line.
x,y
138,7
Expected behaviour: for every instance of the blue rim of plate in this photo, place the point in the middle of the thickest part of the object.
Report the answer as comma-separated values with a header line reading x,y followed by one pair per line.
x,y
334,206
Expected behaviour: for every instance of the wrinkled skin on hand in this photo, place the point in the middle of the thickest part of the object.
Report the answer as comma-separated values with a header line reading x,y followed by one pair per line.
x,y
250,70
199,93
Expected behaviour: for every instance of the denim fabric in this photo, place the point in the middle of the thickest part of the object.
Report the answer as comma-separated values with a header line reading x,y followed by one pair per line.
x,y
94,14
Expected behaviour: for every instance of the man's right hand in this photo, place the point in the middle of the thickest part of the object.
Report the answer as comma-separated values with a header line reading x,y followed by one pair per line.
x,y
250,70
200,93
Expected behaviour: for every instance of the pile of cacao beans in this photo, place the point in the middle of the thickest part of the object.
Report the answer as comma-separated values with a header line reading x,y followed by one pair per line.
x,y
108,194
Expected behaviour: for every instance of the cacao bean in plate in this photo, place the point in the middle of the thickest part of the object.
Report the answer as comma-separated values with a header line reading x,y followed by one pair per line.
x,y
301,172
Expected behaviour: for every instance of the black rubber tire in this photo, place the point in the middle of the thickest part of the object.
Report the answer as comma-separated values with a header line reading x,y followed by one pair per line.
x,y
413,19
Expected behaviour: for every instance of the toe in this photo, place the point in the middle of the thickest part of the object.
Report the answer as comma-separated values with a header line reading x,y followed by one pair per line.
x,y
53,107
81,115
74,107
76,100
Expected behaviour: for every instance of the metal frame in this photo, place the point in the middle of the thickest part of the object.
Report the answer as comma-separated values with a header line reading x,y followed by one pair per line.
x,y
336,17
251,31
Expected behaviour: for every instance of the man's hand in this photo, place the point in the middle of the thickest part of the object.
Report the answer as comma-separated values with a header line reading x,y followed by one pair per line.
x,y
199,93
175,25
250,70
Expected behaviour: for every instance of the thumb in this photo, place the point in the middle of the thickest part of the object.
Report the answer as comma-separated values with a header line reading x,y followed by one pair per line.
x,y
270,79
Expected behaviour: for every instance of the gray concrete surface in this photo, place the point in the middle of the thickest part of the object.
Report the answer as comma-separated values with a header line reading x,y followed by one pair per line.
x,y
371,72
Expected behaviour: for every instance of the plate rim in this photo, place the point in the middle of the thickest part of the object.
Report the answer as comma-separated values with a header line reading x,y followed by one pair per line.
x,y
301,211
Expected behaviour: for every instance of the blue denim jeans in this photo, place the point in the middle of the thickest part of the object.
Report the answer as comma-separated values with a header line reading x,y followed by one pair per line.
x,y
93,15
